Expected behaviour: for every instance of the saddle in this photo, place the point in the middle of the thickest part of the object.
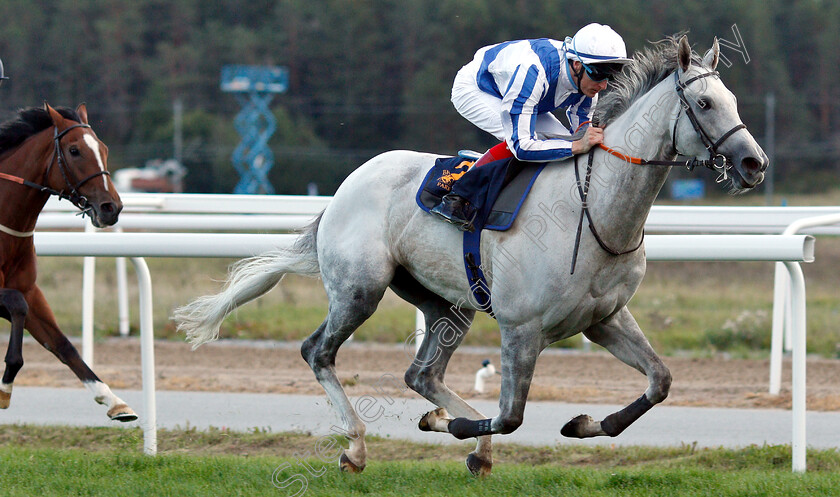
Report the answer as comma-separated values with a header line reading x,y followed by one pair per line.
x,y
496,191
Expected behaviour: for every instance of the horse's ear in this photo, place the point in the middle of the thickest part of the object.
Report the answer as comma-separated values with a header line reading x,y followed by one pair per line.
x,y
57,119
684,54
710,60
81,110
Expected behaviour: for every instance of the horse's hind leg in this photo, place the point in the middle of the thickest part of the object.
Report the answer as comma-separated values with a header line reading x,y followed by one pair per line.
x,y
42,326
624,339
352,301
14,308
446,326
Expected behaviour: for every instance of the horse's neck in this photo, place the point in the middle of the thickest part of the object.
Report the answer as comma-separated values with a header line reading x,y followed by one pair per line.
x,y
627,191
28,162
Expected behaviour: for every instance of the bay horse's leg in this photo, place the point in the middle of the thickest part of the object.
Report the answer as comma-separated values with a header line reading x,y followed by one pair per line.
x,y
42,326
12,307
351,303
622,336
446,326
520,348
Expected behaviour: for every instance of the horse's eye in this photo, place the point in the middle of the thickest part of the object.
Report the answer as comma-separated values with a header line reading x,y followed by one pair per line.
x,y
704,103
74,151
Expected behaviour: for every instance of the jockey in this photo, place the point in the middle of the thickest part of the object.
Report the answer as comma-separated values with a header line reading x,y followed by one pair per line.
x,y
510,90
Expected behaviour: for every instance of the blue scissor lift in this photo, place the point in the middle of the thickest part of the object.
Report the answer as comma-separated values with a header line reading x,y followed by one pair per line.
x,y
254,87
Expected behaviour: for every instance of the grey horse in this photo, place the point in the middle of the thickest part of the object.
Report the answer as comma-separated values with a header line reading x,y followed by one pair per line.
x,y
372,236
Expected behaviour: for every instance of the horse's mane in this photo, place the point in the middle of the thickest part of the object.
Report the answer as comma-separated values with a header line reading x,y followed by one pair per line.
x,y
29,122
649,67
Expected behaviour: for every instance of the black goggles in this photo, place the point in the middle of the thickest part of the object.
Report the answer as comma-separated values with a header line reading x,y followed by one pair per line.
x,y
601,72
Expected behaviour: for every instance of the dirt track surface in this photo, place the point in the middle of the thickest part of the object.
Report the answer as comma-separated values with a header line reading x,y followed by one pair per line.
x,y
568,376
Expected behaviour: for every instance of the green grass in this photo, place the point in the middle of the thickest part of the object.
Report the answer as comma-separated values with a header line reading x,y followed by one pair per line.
x,y
48,461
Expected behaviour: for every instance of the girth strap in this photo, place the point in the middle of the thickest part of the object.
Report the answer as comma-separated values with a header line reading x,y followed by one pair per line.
x,y
475,276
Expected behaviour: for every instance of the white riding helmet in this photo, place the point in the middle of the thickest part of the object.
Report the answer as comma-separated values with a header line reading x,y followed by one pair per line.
x,y
596,44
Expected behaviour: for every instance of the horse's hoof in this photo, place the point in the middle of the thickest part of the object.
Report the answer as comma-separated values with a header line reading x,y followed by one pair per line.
x,y
582,426
431,420
122,413
5,399
346,465
478,466
424,422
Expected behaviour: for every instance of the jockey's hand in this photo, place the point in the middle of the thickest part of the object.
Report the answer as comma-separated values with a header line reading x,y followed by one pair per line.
x,y
592,137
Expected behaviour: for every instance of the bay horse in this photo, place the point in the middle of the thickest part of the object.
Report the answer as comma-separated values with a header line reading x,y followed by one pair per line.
x,y
373,236
43,152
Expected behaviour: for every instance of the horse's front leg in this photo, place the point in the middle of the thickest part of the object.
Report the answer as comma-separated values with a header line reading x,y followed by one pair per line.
x,y
13,307
42,326
622,336
520,348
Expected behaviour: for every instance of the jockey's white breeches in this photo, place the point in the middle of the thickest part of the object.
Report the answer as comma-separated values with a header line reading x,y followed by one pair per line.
x,y
485,110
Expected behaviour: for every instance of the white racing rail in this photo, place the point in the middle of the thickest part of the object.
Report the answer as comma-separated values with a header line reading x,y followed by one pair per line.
x,y
249,213
261,213
789,249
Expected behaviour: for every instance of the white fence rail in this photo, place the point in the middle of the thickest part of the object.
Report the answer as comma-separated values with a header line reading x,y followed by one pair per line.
x,y
791,249
187,211
248,213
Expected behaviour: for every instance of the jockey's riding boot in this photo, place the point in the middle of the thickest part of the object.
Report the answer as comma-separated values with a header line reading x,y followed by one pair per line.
x,y
496,152
456,210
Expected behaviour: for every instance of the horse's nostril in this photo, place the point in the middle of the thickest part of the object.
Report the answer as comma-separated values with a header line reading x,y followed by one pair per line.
x,y
752,165
107,208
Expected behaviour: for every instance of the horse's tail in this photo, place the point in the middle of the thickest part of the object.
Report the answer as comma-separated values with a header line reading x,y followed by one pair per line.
x,y
248,279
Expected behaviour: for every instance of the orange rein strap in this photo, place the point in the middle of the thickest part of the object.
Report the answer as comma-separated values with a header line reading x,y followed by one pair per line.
x,y
634,160
626,158
12,178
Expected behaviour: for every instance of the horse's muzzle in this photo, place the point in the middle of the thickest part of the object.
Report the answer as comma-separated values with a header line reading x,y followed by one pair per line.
x,y
106,214
749,171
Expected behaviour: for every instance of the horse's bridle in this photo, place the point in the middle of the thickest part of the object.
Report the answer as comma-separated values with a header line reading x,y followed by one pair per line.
x,y
716,161
72,194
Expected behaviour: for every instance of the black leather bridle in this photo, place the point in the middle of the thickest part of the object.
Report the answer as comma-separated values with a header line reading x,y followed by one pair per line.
x,y
716,160
72,194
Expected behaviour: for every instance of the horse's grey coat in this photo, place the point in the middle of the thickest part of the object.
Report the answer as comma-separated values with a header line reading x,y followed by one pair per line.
x,y
372,236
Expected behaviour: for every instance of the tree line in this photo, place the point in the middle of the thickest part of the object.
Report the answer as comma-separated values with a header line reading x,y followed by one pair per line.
x,y
373,75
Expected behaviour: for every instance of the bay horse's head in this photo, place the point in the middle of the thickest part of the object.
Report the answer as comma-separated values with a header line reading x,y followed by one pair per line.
x,y
79,168
709,122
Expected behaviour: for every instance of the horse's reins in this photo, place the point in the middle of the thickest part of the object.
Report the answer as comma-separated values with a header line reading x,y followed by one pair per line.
x,y
73,196
715,162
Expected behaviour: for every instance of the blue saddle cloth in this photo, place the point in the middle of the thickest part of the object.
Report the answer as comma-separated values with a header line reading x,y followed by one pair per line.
x,y
496,191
